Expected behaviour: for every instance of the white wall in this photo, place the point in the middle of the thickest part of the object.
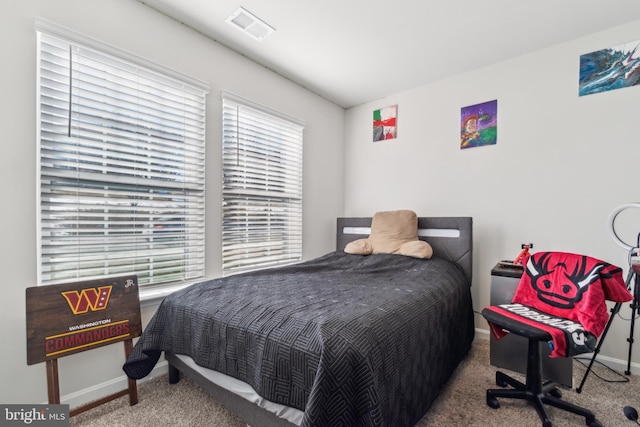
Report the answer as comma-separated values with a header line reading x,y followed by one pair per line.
x,y
132,26
561,165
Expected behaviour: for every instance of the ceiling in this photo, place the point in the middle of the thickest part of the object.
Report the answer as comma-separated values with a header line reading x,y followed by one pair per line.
x,y
356,51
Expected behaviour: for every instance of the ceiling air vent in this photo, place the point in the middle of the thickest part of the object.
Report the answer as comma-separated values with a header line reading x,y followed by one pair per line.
x,y
250,24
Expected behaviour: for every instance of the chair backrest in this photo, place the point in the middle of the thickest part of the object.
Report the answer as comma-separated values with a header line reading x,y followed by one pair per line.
x,y
571,286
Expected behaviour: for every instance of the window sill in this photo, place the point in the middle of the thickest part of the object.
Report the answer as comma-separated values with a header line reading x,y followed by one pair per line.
x,y
152,295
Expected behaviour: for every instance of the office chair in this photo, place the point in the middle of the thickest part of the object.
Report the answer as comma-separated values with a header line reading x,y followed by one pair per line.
x,y
560,300
534,390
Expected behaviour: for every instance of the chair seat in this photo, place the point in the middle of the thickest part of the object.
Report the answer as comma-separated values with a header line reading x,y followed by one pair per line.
x,y
516,327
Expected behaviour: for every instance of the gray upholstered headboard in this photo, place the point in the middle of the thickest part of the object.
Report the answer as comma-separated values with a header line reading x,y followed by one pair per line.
x,y
450,237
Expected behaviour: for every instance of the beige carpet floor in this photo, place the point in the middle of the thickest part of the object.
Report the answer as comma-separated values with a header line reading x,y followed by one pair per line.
x,y
461,403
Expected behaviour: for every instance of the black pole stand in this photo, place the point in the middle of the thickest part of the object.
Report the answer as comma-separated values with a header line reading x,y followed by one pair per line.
x,y
635,305
634,310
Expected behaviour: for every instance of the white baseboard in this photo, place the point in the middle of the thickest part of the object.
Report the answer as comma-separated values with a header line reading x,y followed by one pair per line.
x,y
615,364
99,391
482,334
107,388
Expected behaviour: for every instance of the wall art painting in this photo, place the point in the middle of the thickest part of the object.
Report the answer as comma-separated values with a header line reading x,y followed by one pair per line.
x,y
613,68
479,124
385,124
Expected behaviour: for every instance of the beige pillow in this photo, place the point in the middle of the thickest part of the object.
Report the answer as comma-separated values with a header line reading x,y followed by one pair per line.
x,y
359,247
417,249
391,229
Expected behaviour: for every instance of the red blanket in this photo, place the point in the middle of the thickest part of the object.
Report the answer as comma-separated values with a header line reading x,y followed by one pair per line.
x,y
567,286
572,286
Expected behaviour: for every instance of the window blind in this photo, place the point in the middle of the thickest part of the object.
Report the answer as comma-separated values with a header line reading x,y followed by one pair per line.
x,y
121,168
262,187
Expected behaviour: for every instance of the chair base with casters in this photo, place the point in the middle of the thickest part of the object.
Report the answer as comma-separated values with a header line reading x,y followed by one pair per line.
x,y
535,390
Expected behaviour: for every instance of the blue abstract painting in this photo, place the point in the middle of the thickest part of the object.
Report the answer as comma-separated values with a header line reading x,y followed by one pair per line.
x,y
609,69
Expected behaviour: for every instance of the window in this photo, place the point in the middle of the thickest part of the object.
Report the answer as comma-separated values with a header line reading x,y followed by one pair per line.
x,y
262,187
121,168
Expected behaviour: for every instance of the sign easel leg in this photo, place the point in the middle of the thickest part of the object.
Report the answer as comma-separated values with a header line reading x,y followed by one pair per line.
x,y
53,383
133,385
53,386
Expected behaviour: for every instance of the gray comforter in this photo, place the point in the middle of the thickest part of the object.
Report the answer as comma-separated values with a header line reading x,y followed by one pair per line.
x,y
350,340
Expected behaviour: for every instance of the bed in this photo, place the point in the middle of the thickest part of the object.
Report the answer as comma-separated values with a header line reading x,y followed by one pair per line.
x,y
342,339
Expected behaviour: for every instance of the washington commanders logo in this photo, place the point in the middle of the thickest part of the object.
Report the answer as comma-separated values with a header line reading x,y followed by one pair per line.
x,y
88,299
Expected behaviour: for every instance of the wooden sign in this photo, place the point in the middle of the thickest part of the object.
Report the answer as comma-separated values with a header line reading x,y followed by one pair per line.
x,y
70,318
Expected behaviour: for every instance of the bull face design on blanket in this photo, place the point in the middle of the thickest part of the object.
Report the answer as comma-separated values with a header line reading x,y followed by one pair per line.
x,y
572,280
571,286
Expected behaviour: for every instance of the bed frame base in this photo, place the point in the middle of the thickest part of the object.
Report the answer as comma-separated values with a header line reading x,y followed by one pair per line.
x,y
250,413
